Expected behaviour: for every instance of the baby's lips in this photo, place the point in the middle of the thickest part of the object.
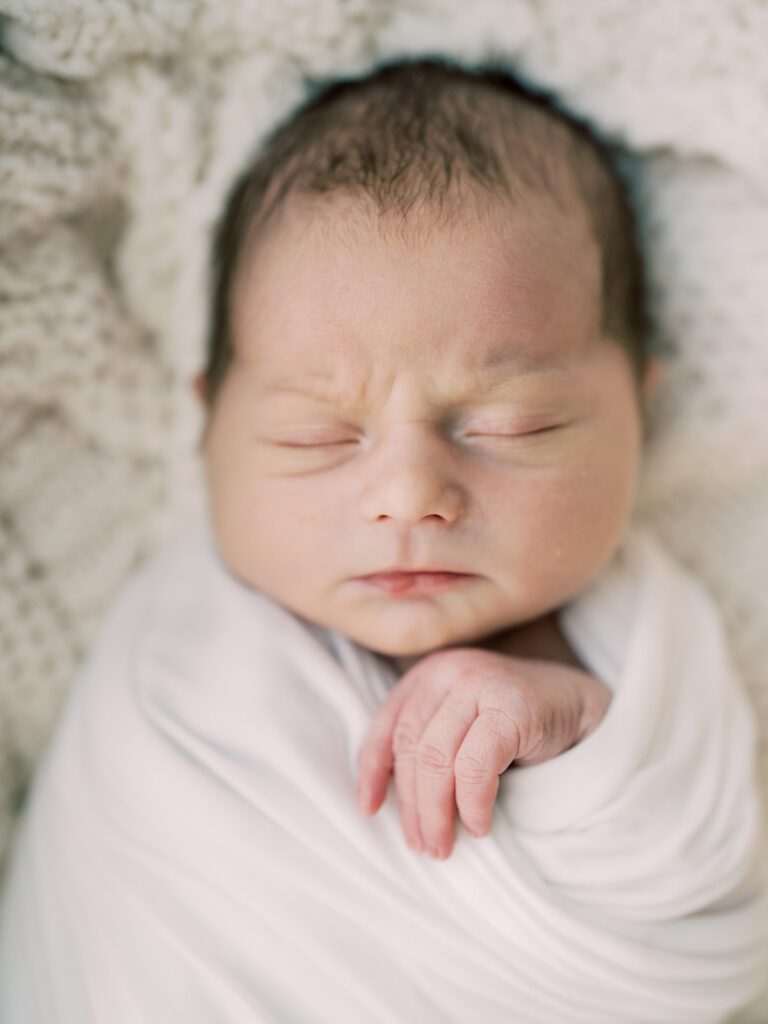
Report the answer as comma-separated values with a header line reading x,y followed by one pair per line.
x,y
414,582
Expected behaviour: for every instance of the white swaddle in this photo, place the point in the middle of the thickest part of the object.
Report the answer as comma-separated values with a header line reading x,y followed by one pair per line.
x,y
192,850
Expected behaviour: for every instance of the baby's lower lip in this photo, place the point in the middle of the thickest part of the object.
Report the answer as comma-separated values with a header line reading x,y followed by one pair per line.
x,y
414,582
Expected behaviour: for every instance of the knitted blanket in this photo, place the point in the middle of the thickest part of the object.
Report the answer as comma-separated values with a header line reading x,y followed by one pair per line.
x,y
122,122
193,850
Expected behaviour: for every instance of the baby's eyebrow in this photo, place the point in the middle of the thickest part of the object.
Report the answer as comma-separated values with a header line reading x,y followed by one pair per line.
x,y
489,384
520,359
499,371
328,390
470,393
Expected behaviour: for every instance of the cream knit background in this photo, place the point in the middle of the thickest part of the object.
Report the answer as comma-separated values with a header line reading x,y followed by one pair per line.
x,y
121,124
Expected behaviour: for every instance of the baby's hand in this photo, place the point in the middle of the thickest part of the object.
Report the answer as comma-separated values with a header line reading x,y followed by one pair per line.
x,y
455,721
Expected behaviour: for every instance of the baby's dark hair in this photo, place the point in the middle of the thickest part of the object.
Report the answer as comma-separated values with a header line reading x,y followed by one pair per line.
x,y
420,132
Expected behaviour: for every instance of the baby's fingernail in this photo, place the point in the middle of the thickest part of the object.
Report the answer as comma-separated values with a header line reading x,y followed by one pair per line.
x,y
439,852
475,833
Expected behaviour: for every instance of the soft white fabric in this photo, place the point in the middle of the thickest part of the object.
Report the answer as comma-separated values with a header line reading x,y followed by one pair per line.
x,y
193,851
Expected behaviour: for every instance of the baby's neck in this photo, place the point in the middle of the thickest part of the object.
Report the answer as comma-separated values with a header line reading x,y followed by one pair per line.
x,y
540,639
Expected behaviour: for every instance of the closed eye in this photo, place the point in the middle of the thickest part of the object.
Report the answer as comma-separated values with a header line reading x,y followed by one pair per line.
x,y
505,434
314,444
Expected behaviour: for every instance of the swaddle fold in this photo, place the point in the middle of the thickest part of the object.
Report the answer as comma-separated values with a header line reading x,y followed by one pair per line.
x,y
192,849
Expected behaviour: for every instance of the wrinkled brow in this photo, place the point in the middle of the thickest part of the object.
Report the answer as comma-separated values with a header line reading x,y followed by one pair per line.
x,y
499,373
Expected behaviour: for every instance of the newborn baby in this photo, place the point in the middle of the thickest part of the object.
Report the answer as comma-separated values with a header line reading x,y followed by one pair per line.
x,y
424,417
424,399
424,425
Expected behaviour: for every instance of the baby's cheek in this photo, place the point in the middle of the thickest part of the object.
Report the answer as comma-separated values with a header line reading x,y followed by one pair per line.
x,y
595,510
577,518
278,537
241,522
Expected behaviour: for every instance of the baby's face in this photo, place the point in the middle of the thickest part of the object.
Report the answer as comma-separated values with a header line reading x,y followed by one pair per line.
x,y
436,400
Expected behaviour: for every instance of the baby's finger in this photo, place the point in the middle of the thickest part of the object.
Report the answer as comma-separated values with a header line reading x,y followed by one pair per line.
x,y
489,747
435,770
413,718
375,760
375,767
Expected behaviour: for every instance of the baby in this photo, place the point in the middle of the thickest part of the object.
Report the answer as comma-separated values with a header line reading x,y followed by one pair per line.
x,y
424,399
424,393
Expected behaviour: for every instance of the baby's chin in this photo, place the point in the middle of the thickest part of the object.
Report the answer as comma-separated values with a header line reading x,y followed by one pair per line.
x,y
404,651
402,662
534,636
401,649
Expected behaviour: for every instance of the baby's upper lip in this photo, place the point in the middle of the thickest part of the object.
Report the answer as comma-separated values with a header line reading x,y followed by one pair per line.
x,y
412,569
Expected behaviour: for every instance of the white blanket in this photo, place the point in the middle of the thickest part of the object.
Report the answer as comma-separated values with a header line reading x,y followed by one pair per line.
x,y
193,852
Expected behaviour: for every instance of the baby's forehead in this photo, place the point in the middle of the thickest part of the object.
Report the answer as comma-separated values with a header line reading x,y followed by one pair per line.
x,y
336,279
321,225
417,140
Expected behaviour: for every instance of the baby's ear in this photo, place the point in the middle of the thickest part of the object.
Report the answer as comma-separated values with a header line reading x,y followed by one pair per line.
x,y
651,379
199,385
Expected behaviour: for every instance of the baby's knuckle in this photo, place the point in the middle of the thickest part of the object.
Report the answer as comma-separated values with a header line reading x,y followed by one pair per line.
x,y
471,770
404,740
432,759
528,728
519,708
501,729
461,707
519,700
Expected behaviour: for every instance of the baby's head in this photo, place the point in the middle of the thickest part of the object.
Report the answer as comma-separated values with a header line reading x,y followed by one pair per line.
x,y
427,354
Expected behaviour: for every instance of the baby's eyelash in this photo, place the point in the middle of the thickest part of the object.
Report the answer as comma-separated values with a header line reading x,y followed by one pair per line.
x,y
511,434
314,444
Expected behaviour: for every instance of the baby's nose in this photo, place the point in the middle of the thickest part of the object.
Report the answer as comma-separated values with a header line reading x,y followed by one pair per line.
x,y
412,475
